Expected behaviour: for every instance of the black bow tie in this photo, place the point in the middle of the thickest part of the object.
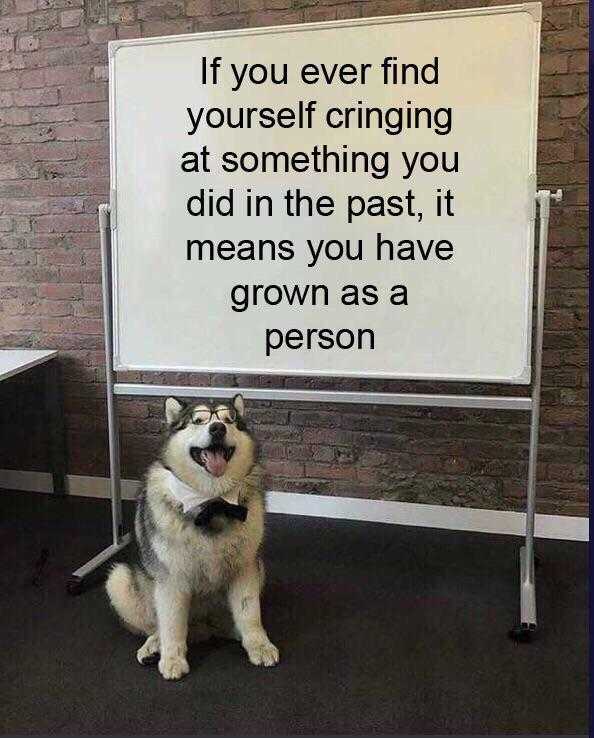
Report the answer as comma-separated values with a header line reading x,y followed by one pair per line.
x,y
219,506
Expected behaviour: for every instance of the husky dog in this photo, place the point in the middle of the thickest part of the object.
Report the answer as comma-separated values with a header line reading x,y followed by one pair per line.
x,y
197,575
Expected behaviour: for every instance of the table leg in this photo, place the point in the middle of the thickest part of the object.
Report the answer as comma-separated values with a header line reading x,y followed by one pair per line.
x,y
55,426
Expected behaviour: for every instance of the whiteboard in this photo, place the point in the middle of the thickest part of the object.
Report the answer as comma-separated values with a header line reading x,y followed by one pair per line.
x,y
467,318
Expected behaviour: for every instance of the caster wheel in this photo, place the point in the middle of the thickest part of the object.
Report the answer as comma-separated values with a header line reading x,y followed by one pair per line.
x,y
74,586
521,633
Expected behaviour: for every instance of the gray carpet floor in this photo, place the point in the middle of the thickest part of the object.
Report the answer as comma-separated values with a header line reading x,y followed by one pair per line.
x,y
382,629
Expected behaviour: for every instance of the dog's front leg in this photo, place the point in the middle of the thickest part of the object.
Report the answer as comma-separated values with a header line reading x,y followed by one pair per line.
x,y
244,600
173,608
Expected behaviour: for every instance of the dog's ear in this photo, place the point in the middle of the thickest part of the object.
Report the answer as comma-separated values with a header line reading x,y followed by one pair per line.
x,y
239,405
173,409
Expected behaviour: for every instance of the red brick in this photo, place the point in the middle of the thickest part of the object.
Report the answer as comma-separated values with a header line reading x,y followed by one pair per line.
x,y
19,307
25,6
72,325
13,24
60,256
92,292
224,7
79,131
578,61
101,73
65,223
8,171
283,468
16,258
28,134
348,11
222,22
62,38
556,151
92,92
329,471
10,61
88,309
197,7
554,63
71,18
47,205
101,34
83,274
29,78
27,43
275,17
60,291
570,107
53,114
566,40
53,151
21,323
557,18
92,112
166,28
14,291
6,43
160,9
132,30
315,15
549,129
43,21
244,6
582,150
93,149
73,75
56,308
14,117
122,13
564,84
392,7
30,98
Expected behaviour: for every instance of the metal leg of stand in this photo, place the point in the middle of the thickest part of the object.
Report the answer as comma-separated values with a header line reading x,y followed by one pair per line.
x,y
119,540
527,625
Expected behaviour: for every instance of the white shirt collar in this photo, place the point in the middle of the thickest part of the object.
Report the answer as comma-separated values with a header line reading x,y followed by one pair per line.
x,y
190,499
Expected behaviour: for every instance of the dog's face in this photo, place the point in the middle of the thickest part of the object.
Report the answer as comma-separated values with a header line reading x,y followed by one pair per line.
x,y
207,442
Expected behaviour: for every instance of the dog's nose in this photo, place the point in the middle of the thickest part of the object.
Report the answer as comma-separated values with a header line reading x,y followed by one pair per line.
x,y
217,430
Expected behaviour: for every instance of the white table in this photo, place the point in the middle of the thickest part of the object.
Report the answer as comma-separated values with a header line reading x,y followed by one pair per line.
x,y
17,361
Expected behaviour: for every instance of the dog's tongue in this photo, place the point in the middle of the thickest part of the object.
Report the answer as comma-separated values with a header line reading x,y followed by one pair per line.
x,y
215,462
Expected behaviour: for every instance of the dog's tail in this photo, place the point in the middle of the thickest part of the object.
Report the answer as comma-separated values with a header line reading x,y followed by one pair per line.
x,y
130,593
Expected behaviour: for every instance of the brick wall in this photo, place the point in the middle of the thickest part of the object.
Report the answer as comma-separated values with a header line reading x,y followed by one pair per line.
x,y
54,172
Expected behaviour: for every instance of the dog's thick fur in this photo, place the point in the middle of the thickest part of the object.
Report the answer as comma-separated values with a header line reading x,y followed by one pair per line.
x,y
192,582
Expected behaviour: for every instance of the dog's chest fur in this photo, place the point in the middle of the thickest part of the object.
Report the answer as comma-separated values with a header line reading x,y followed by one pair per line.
x,y
203,560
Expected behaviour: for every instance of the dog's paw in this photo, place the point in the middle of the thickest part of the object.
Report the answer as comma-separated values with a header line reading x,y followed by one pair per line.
x,y
262,653
148,653
173,667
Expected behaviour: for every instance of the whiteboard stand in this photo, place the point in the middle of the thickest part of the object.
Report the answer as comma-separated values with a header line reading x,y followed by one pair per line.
x,y
119,539
527,625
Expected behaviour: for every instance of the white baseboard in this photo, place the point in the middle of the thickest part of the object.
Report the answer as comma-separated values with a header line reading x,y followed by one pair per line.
x,y
503,522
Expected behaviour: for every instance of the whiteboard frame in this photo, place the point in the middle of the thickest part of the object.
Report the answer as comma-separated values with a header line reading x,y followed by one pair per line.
x,y
534,9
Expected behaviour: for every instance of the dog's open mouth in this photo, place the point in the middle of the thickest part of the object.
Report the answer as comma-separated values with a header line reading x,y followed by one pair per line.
x,y
214,458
